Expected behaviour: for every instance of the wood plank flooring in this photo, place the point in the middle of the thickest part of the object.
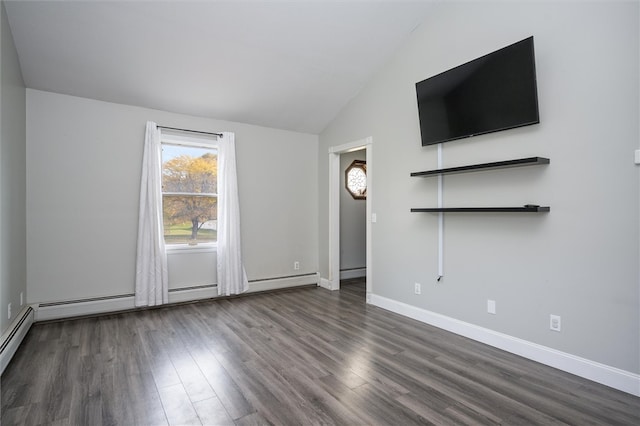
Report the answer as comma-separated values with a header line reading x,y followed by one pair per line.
x,y
298,357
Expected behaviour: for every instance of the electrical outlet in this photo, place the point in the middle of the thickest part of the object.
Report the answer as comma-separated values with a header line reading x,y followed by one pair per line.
x,y
296,265
491,306
417,289
555,322
9,311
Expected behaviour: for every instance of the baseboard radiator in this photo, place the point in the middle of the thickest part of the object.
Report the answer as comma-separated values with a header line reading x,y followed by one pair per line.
x,y
14,335
347,274
102,305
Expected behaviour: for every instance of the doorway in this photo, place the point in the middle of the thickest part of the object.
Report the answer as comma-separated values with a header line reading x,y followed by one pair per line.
x,y
353,218
334,211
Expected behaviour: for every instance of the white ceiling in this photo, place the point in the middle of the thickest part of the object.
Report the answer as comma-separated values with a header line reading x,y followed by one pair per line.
x,y
287,65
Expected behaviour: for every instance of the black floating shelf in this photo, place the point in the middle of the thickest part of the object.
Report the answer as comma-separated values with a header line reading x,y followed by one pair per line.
x,y
533,209
520,162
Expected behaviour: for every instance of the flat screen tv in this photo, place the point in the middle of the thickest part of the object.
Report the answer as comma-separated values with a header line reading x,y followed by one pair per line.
x,y
494,92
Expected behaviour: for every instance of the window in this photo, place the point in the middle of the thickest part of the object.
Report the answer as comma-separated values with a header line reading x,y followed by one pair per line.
x,y
356,179
189,190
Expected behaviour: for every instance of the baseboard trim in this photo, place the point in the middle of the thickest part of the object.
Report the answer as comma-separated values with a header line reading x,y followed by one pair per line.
x,y
11,339
329,285
347,274
125,302
600,373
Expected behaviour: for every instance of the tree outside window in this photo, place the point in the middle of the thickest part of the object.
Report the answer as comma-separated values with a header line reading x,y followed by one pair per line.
x,y
189,193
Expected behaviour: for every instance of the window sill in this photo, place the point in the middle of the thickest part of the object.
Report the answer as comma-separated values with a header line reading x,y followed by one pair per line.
x,y
185,248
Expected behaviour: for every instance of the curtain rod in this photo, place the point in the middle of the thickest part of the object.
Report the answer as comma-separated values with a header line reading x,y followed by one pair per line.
x,y
191,131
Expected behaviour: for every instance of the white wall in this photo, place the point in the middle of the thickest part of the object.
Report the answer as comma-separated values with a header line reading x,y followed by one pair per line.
x,y
83,180
12,177
579,261
353,225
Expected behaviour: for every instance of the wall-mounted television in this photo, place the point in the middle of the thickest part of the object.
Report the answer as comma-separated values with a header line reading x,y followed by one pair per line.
x,y
495,92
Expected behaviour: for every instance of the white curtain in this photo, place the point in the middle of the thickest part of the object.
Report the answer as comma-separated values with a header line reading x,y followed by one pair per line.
x,y
232,278
152,283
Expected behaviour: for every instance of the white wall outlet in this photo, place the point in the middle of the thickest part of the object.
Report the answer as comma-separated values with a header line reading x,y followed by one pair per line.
x,y
9,311
417,288
555,322
296,265
21,298
637,156
491,306
374,217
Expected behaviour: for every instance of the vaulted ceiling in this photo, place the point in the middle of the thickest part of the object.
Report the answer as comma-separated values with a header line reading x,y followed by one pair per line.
x,y
288,65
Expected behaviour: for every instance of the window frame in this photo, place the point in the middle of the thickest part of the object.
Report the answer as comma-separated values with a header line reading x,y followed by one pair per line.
x,y
170,138
358,165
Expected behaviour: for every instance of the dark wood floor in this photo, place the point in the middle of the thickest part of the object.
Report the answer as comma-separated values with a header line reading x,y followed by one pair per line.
x,y
299,357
